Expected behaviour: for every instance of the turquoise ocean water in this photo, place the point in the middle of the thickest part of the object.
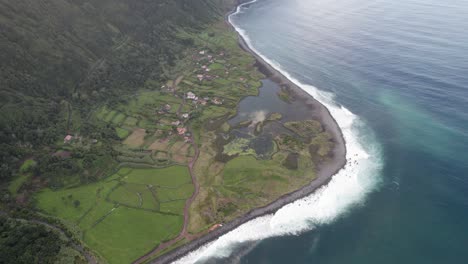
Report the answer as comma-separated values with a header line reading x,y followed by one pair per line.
x,y
394,74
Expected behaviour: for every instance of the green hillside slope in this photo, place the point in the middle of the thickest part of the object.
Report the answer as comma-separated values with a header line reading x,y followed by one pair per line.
x,y
59,58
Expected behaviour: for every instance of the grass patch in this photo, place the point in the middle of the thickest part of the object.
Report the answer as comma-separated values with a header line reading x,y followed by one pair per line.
x,y
128,233
306,128
171,176
61,203
102,113
110,116
173,207
121,216
131,121
216,66
16,183
122,133
118,119
27,165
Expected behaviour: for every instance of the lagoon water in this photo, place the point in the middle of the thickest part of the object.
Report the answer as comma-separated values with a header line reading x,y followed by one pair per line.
x,y
394,74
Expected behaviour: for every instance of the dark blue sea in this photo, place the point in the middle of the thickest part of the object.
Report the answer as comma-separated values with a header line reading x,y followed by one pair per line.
x,y
394,74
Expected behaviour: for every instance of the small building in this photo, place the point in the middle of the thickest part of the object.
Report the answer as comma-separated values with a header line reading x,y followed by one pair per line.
x,y
67,139
202,52
186,115
200,77
167,107
191,96
181,130
216,101
176,123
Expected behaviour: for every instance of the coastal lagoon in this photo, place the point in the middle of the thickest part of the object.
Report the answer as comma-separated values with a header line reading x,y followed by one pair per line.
x,y
393,75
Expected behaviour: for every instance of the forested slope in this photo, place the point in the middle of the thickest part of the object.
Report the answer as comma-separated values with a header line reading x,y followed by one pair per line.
x,y
59,58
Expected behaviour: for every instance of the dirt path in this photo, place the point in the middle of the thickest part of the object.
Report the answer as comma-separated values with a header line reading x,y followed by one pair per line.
x,y
184,233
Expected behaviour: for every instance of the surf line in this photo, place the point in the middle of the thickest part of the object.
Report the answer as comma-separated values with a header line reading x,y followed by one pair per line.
x,y
344,189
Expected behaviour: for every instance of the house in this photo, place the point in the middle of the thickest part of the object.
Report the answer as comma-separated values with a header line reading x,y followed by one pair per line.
x,y
191,96
242,79
175,123
186,115
203,67
216,101
167,107
181,130
200,77
202,52
67,139
202,101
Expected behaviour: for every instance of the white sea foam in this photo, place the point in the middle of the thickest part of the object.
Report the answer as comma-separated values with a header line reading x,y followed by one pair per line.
x,y
347,188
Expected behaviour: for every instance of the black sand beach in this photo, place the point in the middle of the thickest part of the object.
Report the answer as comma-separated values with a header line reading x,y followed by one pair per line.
x,y
324,174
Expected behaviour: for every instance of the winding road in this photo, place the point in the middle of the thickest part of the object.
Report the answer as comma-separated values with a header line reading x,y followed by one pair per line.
x,y
184,233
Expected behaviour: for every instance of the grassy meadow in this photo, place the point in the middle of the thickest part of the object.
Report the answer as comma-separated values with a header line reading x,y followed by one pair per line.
x,y
127,214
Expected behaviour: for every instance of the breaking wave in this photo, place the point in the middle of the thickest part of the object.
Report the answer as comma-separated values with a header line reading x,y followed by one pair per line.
x,y
346,189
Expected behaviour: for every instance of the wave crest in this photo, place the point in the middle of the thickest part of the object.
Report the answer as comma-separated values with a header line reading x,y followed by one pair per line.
x,y
346,189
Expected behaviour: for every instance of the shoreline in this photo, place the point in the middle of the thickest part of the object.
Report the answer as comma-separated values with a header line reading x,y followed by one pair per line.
x,y
324,174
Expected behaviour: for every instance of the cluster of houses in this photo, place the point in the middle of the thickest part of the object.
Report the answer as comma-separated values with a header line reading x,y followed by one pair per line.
x,y
204,59
204,100
204,68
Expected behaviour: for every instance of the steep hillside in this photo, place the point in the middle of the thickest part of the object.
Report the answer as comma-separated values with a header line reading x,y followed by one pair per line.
x,y
59,58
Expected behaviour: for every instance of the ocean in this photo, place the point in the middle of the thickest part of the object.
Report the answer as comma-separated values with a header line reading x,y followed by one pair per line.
x,y
394,75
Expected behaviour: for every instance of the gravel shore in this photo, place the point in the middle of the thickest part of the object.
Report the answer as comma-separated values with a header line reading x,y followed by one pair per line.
x,y
325,170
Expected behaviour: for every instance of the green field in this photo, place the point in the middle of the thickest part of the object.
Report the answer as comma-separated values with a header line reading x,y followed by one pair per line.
x,y
17,182
124,216
129,233
122,133
119,118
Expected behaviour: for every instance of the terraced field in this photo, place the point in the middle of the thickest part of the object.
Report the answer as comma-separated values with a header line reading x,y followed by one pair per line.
x,y
127,214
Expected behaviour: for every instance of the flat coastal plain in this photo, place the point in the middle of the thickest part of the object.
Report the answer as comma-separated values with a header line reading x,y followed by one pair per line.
x,y
325,170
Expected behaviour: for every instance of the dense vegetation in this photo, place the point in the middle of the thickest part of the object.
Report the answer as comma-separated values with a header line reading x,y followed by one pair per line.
x,y
23,242
115,128
62,57
61,61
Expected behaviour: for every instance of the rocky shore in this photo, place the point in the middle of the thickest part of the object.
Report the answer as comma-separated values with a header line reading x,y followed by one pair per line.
x,y
325,170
